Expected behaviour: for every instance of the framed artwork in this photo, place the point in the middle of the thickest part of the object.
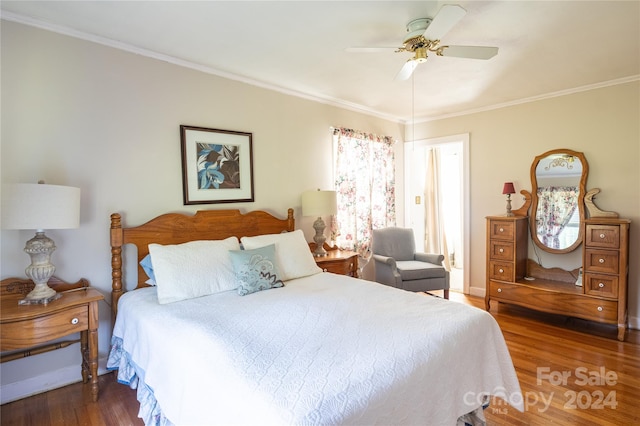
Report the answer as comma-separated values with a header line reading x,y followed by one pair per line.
x,y
217,166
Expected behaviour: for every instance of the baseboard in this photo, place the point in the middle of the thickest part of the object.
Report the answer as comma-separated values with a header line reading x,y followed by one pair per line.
x,y
477,291
634,322
43,383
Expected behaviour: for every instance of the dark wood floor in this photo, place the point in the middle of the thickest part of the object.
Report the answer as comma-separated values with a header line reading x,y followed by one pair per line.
x,y
538,343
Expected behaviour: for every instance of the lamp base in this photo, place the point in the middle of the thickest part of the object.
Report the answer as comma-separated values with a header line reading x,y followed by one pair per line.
x,y
39,300
319,238
39,248
509,212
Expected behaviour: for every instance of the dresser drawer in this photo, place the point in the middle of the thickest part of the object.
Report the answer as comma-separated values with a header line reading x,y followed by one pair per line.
x,y
601,285
605,261
502,271
24,334
501,250
603,236
575,305
502,230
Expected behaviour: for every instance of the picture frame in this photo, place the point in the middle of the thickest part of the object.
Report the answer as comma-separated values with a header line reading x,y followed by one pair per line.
x,y
217,165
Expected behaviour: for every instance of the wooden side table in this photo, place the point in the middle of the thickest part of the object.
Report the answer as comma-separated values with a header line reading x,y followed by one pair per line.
x,y
26,329
338,261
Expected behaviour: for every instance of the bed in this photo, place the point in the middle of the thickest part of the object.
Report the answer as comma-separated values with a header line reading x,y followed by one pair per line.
x,y
306,348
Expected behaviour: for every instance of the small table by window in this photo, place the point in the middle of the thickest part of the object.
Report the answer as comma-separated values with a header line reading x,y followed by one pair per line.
x,y
338,261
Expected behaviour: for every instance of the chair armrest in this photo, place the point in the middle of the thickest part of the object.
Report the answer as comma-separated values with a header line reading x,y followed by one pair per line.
x,y
433,258
386,271
386,260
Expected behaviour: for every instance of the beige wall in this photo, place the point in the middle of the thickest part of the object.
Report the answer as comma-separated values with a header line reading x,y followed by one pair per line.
x,y
602,123
81,114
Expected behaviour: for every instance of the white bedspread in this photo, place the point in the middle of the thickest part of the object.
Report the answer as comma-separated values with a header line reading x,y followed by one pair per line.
x,y
325,349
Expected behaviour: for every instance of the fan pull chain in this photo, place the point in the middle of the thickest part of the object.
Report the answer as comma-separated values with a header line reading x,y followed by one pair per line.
x,y
413,107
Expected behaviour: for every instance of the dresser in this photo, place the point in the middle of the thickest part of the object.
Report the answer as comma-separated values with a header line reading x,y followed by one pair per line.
x,y
33,329
513,278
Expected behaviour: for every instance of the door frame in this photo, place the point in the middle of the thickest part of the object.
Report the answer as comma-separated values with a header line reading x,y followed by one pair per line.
x,y
466,202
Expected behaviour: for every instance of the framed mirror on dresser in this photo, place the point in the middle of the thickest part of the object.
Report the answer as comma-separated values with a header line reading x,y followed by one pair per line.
x,y
559,216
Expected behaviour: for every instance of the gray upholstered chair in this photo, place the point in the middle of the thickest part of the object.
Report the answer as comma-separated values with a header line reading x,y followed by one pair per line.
x,y
397,264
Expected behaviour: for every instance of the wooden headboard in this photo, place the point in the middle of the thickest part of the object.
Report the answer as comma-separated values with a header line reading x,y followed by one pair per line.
x,y
176,228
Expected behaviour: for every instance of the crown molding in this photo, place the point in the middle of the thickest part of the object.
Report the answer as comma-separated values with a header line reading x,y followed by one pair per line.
x,y
565,92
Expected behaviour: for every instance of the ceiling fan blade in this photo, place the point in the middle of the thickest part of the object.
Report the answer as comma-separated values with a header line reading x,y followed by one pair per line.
x,y
471,52
370,49
407,70
447,17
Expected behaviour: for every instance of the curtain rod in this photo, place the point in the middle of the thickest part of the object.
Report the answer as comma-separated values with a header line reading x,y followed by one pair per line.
x,y
336,130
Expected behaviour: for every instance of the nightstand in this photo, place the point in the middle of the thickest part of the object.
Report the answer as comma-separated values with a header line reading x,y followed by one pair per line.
x,y
29,329
338,261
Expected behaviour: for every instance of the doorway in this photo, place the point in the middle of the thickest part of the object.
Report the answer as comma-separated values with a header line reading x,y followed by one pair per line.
x,y
454,199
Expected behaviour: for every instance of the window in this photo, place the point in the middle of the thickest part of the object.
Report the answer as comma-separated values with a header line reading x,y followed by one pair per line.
x,y
364,171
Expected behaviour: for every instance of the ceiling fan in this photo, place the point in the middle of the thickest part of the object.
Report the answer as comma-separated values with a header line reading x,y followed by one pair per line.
x,y
423,36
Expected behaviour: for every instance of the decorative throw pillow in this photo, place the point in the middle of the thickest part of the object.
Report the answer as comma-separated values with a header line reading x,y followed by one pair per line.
x,y
256,269
293,256
193,269
148,269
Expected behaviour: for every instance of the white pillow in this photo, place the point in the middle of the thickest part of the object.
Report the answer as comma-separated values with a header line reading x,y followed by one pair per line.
x,y
193,269
292,253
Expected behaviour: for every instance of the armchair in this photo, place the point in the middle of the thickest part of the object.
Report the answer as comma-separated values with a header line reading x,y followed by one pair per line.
x,y
397,264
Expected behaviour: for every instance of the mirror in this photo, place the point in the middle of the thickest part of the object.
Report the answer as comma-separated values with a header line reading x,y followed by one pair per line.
x,y
558,180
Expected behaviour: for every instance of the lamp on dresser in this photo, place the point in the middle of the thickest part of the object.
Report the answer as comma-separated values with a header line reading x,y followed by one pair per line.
x,y
319,203
508,189
39,207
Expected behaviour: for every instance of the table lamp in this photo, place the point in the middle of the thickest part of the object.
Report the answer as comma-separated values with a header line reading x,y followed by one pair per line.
x,y
508,189
319,203
40,206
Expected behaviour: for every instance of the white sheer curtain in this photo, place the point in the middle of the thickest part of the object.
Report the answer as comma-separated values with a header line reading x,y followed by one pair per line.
x,y
365,185
435,240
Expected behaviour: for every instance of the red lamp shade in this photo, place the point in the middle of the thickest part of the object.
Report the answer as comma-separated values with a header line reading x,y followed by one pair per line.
x,y
508,188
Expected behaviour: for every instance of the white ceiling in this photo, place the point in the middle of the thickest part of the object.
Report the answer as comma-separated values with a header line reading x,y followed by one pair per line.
x,y
546,47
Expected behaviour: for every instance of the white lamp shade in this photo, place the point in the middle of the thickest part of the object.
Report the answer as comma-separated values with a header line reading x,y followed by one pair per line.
x,y
319,203
40,206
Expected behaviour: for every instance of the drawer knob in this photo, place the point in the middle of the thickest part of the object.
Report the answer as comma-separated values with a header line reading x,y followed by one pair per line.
x,y
501,270
601,260
499,290
602,236
501,229
601,285
501,250
599,308
74,321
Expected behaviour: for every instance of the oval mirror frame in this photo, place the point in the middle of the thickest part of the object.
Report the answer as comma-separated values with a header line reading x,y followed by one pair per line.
x,y
565,154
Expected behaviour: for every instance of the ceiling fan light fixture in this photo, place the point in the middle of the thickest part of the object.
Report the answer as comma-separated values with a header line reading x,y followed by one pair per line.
x,y
421,55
